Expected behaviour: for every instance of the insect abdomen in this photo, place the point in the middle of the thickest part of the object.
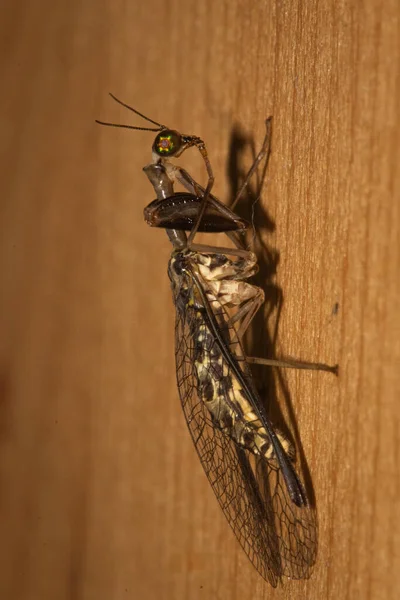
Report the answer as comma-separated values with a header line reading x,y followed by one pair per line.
x,y
227,403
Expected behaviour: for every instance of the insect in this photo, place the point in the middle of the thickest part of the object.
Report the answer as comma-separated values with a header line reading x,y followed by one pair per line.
x,y
249,463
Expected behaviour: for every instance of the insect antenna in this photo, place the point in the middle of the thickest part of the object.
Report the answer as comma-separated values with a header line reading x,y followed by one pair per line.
x,y
159,126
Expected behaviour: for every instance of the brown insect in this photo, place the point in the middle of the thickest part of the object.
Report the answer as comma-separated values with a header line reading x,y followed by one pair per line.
x,y
248,462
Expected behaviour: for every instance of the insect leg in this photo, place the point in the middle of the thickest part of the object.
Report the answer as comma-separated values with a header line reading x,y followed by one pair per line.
x,y
293,364
264,152
200,145
248,311
249,298
184,178
192,186
219,250
176,173
201,211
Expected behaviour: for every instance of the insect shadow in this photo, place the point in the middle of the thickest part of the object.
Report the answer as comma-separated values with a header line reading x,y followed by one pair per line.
x,y
262,337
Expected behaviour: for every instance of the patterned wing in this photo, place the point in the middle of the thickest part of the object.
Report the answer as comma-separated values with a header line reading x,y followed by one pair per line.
x,y
279,537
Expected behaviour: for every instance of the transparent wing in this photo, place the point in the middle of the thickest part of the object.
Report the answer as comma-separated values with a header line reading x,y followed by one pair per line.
x,y
279,537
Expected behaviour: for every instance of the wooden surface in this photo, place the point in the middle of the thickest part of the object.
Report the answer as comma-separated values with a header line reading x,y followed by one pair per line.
x,y
102,496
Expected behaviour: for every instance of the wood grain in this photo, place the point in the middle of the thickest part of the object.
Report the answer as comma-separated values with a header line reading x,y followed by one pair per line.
x,y
102,495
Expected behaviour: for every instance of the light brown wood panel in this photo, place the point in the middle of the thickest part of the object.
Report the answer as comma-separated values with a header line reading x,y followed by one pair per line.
x,y
102,496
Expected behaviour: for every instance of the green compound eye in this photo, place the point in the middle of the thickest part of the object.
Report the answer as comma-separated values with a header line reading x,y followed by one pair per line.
x,y
167,143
